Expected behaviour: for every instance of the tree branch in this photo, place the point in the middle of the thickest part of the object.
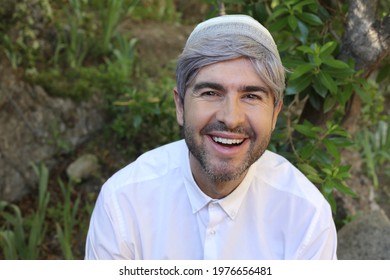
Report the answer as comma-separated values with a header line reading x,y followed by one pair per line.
x,y
366,39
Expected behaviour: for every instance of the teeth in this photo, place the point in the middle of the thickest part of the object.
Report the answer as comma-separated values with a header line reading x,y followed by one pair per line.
x,y
228,141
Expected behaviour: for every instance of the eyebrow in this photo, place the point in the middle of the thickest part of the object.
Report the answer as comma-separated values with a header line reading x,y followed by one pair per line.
x,y
203,85
254,89
217,86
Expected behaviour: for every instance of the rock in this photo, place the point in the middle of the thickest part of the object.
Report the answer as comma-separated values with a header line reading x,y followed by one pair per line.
x,y
83,167
35,127
366,238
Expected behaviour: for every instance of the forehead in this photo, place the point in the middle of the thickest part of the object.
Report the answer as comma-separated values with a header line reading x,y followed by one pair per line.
x,y
236,72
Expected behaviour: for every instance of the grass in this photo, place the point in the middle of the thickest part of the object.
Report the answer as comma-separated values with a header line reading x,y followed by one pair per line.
x,y
70,210
55,227
375,147
22,237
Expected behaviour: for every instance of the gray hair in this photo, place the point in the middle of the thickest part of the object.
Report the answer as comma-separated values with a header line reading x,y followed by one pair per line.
x,y
222,47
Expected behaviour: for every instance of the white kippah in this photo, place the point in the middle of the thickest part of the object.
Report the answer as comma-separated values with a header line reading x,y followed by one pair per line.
x,y
234,24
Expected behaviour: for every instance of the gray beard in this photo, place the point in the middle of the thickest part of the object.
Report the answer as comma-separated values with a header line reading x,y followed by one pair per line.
x,y
221,174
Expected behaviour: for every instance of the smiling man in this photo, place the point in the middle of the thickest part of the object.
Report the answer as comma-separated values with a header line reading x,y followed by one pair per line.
x,y
217,194
228,119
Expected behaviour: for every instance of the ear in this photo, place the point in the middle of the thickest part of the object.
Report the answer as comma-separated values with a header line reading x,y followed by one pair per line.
x,y
277,110
179,107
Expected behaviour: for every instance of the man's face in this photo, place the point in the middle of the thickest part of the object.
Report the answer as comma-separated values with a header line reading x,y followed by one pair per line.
x,y
228,116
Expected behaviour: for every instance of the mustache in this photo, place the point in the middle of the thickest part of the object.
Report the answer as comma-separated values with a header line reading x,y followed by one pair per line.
x,y
219,126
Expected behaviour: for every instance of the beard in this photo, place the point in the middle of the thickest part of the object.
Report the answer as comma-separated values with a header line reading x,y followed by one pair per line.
x,y
224,170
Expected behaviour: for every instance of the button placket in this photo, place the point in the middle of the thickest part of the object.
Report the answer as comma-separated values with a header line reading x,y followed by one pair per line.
x,y
211,241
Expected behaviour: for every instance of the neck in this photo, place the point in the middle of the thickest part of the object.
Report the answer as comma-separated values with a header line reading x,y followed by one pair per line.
x,y
211,187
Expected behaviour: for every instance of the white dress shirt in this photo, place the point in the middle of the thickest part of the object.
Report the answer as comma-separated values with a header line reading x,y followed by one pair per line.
x,y
153,209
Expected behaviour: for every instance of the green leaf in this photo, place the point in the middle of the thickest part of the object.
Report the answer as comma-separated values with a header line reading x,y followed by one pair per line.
x,y
321,157
307,168
278,25
315,178
291,62
328,48
316,59
384,73
278,11
332,149
306,49
307,151
327,81
344,172
260,12
292,22
307,130
298,85
301,70
338,64
342,141
300,4
332,202
362,93
310,172
316,101
303,32
337,72
345,189
311,19
319,87
329,103
335,129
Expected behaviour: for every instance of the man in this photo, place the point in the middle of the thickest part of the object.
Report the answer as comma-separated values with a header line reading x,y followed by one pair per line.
x,y
218,194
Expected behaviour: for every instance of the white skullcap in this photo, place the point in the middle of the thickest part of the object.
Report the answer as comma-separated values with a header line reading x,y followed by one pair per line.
x,y
234,24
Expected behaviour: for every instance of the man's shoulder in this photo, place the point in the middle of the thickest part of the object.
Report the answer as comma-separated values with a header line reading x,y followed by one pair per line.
x,y
279,173
151,165
168,153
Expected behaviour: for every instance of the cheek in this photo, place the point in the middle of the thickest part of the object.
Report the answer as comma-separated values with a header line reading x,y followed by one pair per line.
x,y
198,114
261,120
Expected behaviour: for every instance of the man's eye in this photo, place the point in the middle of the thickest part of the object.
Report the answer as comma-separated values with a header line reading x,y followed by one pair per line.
x,y
209,93
253,96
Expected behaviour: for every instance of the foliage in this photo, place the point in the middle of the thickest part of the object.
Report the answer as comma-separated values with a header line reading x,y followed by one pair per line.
x,y
375,146
320,159
80,82
147,116
22,235
21,238
24,47
10,51
156,10
70,210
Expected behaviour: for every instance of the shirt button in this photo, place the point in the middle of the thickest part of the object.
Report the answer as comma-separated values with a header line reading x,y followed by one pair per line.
x,y
211,232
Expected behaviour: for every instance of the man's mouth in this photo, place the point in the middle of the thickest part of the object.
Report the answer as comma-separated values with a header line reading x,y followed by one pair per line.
x,y
227,141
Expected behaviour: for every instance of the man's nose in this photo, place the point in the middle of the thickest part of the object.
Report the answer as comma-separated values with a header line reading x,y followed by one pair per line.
x,y
231,112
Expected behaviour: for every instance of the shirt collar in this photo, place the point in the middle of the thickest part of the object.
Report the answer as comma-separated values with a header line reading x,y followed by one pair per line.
x,y
197,198
230,204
